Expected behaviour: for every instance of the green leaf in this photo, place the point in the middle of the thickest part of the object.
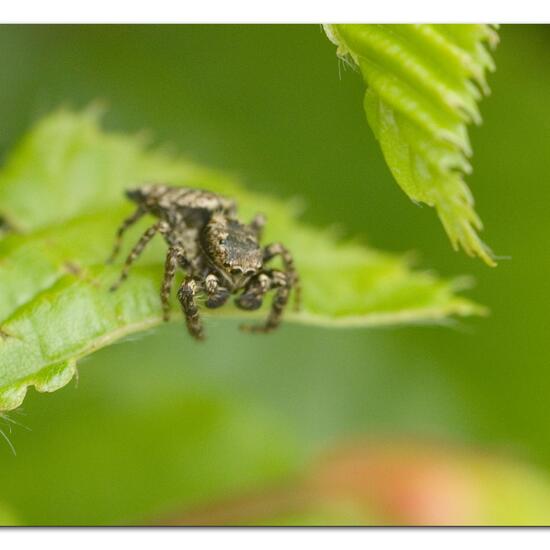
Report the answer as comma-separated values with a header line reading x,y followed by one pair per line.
x,y
7,519
62,193
423,85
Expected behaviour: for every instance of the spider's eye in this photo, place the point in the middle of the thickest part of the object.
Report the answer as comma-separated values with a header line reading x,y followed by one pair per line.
x,y
236,270
221,242
250,272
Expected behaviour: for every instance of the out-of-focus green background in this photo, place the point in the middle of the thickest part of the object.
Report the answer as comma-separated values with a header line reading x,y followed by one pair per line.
x,y
160,423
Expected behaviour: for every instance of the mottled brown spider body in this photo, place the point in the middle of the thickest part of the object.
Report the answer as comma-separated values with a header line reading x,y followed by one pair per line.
x,y
220,255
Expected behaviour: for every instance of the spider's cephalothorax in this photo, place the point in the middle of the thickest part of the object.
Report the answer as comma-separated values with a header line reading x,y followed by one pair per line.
x,y
220,255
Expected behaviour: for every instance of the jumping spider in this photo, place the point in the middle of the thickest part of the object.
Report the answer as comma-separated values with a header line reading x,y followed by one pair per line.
x,y
219,254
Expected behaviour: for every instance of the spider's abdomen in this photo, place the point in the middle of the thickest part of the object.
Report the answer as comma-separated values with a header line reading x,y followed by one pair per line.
x,y
193,206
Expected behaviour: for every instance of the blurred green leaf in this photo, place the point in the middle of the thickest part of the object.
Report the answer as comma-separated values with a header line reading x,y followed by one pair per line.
x,y
6,517
62,193
154,450
424,82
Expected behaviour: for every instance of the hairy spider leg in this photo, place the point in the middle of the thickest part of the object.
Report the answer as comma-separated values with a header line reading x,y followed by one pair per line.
x,y
283,285
124,226
254,293
174,257
217,294
186,295
137,250
277,249
258,224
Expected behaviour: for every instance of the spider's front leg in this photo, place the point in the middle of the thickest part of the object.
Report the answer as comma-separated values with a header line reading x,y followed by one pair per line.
x,y
278,249
186,295
253,297
174,257
217,294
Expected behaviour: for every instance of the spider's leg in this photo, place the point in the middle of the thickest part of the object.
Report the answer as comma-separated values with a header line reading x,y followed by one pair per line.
x,y
137,250
283,285
186,295
277,249
253,295
217,294
174,257
257,225
126,224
